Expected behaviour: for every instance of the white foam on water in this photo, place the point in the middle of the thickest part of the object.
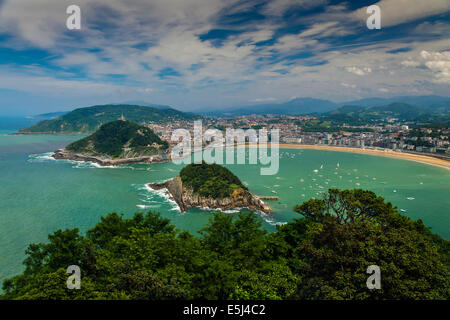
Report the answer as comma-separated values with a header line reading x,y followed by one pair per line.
x,y
163,193
48,156
141,206
41,157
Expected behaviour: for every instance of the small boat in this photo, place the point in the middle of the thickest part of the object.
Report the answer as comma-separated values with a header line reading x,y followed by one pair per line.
x,y
315,170
395,191
402,210
321,167
273,191
410,198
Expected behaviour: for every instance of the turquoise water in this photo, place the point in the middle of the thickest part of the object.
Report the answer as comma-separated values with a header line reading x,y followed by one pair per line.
x,y
39,195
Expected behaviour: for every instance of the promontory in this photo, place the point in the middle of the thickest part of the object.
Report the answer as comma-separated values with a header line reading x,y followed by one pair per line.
x,y
210,186
115,143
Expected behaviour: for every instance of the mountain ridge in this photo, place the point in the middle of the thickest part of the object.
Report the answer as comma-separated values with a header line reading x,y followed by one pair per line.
x,y
89,119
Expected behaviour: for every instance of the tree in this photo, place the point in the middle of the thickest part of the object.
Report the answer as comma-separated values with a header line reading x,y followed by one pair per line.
x,y
349,230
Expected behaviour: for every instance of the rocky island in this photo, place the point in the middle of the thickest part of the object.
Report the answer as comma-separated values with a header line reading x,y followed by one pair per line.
x,y
115,143
210,186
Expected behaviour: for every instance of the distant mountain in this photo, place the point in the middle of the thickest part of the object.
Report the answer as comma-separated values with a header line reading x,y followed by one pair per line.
x,y
50,115
88,120
145,104
303,106
394,110
434,104
298,106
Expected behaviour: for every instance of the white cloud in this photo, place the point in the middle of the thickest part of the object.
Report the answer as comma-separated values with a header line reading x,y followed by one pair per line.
x,y
170,33
359,71
263,99
439,64
346,85
410,63
394,12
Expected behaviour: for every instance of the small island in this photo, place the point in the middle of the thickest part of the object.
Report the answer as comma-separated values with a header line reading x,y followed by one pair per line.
x,y
115,143
210,186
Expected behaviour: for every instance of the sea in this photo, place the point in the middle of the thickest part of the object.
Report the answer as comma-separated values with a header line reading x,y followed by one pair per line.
x,y
39,195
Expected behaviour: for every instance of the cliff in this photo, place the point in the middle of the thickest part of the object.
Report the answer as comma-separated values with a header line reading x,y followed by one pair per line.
x,y
186,198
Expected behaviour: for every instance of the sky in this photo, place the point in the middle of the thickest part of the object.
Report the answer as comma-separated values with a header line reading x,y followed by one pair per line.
x,y
206,54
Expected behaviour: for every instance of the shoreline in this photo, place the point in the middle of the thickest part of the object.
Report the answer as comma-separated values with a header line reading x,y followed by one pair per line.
x,y
185,198
62,154
425,159
385,153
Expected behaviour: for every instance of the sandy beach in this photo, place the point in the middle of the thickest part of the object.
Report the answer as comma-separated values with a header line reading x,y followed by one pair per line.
x,y
386,153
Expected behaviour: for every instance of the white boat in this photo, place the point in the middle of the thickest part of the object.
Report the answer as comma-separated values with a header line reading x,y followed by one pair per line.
x,y
410,198
402,210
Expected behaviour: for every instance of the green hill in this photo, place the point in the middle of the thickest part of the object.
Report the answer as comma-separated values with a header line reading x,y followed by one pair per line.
x,y
210,180
87,120
120,139
401,111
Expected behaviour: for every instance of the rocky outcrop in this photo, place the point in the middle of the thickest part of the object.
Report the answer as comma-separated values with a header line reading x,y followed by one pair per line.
x,y
186,198
63,154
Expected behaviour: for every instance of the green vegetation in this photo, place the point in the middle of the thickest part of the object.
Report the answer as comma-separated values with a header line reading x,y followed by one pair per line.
x,y
210,180
401,111
332,124
87,120
120,138
323,255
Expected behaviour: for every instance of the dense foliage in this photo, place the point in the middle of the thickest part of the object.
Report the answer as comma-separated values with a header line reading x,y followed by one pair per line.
x,y
400,111
87,120
210,180
323,255
114,136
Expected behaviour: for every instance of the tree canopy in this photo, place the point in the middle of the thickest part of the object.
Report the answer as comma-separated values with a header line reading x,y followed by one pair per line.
x,y
115,137
322,255
210,180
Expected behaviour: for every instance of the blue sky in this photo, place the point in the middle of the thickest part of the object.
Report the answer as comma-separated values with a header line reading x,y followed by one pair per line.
x,y
203,54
